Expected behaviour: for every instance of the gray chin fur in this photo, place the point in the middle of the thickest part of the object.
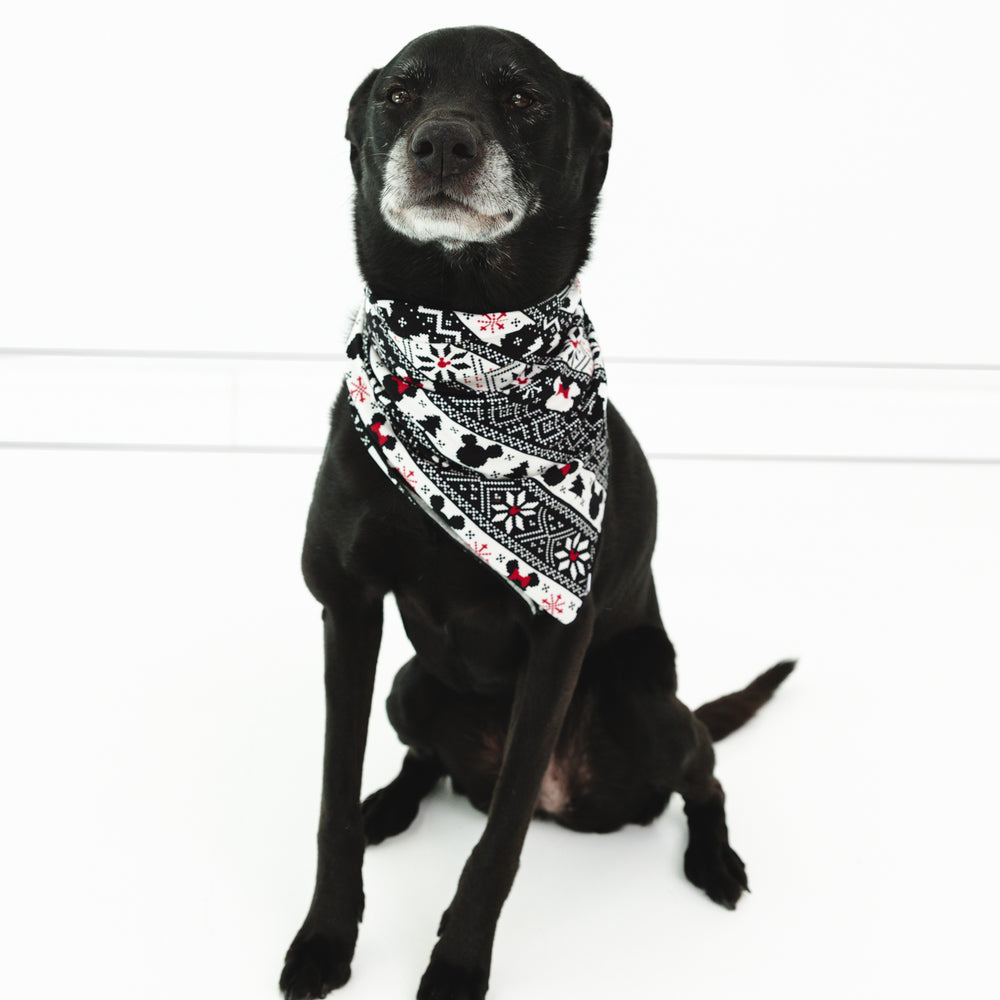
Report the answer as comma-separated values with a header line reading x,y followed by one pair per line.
x,y
494,208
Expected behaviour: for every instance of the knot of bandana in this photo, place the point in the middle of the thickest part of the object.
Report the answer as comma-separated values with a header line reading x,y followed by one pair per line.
x,y
495,425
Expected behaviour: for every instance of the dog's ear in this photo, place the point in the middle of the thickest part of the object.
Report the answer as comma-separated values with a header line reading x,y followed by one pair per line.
x,y
354,132
594,123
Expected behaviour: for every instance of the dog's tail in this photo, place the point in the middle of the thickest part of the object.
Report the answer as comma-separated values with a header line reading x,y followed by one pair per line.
x,y
726,714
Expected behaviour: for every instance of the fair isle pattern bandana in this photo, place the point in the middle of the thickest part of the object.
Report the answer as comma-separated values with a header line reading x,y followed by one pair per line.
x,y
495,425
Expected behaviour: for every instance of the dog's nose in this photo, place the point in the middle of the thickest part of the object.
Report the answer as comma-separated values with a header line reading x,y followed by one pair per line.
x,y
444,148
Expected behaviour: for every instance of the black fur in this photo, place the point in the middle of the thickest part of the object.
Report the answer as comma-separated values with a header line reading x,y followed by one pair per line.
x,y
494,693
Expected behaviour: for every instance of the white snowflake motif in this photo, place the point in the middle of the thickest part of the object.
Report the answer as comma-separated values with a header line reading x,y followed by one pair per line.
x,y
575,557
359,389
554,604
513,513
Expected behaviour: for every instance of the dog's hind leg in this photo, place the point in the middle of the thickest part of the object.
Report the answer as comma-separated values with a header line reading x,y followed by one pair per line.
x,y
392,809
710,863
672,747
412,707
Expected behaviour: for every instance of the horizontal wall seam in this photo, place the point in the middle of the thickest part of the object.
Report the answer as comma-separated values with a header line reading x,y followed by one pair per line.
x,y
652,456
340,358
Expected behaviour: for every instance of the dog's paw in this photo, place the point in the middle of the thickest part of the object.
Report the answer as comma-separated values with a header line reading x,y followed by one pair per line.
x,y
315,964
386,813
445,981
718,869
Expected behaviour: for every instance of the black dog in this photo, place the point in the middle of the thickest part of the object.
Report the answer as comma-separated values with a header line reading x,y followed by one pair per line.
x,y
478,165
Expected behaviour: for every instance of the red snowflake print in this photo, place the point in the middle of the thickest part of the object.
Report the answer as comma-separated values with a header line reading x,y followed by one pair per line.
x,y
359,389
409,476
481,549
492,322
554,604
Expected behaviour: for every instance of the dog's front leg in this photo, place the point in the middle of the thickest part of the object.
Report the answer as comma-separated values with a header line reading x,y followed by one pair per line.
x,y
319,959
460,964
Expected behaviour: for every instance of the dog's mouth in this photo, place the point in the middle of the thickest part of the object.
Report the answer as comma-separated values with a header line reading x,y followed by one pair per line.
x,y
446,203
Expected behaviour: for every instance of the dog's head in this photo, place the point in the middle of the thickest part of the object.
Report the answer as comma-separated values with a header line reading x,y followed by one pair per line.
x,y
478,164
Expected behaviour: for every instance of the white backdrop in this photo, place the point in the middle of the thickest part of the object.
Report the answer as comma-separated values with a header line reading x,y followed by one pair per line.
x,y
792,179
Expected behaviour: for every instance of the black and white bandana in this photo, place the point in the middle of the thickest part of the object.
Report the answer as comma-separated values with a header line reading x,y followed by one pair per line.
x,y
495,425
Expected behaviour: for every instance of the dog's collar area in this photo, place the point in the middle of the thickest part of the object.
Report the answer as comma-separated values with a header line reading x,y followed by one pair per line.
x,y
494,425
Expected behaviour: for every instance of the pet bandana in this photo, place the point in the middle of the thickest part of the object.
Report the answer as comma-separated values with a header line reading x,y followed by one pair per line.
x,y
495,426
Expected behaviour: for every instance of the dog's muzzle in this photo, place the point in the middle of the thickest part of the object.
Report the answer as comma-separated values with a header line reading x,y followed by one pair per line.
x,y
446,182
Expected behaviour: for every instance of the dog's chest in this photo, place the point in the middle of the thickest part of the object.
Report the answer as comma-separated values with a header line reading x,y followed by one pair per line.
x,y
464,621
466,626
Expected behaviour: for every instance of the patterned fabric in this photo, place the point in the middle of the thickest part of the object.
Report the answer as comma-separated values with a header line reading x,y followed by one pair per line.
x,y
495,426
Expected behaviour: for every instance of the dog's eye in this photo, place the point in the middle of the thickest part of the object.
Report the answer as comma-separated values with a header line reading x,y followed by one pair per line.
x,y
399,95
520,99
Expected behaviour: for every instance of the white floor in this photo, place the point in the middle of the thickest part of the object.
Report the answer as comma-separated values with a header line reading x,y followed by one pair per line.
x,y
161,728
